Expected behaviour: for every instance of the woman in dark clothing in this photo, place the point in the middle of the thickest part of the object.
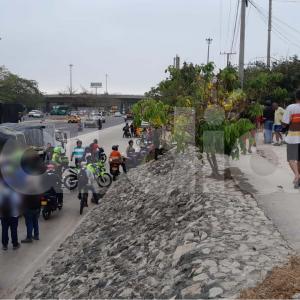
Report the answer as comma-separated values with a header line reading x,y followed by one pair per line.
x,y
268,116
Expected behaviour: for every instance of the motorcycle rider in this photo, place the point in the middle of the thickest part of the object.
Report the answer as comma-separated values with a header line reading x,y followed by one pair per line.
x,y
85,181
95,150
116,157
53,181
57,155
126,131
57,160
78,153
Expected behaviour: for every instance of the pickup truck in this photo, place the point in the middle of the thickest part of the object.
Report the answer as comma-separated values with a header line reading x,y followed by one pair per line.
x,y
34,136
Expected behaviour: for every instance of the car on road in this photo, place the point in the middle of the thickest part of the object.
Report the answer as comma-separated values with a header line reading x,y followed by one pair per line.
x,y
35,114
117,114
99,116
91,121
73,119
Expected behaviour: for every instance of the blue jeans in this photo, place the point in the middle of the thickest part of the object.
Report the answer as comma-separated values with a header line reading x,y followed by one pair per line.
x,y
32,222
12,223
268,126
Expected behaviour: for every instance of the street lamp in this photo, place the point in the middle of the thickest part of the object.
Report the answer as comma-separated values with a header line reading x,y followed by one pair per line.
x,y
71,84
106,77
209,41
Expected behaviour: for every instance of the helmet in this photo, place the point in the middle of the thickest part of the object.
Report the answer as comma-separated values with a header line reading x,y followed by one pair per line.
x,y
89,159
115,147
50,167
57,150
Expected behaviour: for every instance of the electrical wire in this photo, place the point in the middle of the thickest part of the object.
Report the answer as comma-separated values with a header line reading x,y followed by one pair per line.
x,y
229,19
277,29
235,24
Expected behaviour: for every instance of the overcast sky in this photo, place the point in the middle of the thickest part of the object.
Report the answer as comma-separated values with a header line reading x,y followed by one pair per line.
x,y
131,40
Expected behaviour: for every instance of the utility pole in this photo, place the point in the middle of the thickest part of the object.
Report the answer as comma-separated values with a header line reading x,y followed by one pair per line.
x,y
209,41
71,79
106,77
228,54
177,62
242,41
269,35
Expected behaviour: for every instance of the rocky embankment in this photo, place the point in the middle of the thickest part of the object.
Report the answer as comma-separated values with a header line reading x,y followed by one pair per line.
x,y
167,230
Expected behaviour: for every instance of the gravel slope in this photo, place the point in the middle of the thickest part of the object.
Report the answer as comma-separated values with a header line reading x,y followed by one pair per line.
x,y
168,231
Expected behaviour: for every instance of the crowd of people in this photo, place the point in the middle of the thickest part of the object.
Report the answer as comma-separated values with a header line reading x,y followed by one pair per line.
x,y
272,118
15,177
281,126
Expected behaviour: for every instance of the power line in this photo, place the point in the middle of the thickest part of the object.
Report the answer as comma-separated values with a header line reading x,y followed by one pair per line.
x,y
229,19
279,20
276,27
228,54
235,24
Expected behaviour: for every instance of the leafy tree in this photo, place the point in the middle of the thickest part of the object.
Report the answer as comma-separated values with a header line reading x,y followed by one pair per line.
x,y
290,69
16,89
150,110
216,102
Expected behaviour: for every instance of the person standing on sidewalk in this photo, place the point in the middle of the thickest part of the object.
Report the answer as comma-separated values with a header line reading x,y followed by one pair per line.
x,y
10,203
32,208
279,112
291,119
156,141
268,116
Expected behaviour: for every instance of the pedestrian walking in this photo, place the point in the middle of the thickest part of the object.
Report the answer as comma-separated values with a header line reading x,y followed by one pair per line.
x,y
268,116
132,130
10,203
279,112
99,124
32,208
291,119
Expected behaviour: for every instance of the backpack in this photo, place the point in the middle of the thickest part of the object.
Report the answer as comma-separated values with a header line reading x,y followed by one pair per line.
x,y
6,206
82,178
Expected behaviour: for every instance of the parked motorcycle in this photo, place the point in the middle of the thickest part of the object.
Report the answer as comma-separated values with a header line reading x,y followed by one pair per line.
x,y
71,180
49,204
102,155
102,178
127,134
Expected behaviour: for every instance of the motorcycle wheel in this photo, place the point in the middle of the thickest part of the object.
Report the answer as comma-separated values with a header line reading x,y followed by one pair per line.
x,y
70,182
104,181
46,213
81,206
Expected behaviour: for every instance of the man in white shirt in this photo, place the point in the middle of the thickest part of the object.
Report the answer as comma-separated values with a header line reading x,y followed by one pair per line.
x,y
291,118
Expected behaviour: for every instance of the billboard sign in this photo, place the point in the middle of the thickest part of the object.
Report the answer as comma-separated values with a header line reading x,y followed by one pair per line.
x,y
96,84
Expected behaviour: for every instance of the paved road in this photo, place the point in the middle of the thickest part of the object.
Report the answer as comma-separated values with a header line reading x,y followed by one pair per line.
x,y
73,128
269,178
17,267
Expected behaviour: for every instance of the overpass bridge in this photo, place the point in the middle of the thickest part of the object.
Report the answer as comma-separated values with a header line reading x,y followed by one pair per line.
x,y
106,101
